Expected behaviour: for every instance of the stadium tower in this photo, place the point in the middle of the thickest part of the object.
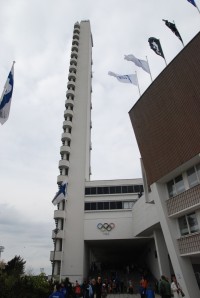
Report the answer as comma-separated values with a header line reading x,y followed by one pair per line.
x,y
68,255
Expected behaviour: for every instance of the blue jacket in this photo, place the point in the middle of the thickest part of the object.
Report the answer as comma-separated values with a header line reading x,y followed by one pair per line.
x,y
57,294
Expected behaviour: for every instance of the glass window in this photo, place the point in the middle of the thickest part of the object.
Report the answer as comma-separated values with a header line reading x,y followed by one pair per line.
x,y
130,188
112,205
183,226
198,170
188,224
128,205
99,190
106,190
87,191
124,189
192,177
112,189
93,190
87,206
106,205
119,205
192,222
118,189
171,188
179,184
100,206
136,188
93,206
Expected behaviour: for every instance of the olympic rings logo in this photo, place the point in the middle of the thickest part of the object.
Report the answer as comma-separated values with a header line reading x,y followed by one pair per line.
x,y
105,227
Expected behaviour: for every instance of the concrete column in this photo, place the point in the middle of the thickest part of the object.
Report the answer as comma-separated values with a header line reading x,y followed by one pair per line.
x,y
162,253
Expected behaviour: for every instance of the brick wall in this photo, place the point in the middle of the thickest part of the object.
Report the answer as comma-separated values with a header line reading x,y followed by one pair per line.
x,y
166,118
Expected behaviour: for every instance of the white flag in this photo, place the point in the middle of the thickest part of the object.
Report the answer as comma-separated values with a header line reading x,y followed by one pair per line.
x,y
140,63
6,97
60,195
130,78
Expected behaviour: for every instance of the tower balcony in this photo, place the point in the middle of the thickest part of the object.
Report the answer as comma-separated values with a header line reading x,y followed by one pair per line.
x,y
61,178
77,25
76,37
63,163
70,84
56,257
74,54
59,235
72,68
74,48
75,42
73,61
66,136
72,76
67,123
68,112
59,214
70,92
77,30
65,149
69,102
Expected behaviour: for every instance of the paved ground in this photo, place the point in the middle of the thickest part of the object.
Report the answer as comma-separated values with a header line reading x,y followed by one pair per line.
x,y
127,296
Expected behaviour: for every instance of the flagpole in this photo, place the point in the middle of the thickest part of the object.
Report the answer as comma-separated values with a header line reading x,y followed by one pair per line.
x,y
198,9
149,69
138,84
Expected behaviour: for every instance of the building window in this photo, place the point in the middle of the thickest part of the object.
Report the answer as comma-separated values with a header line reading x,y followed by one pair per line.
x,y
102,190
188,224
176,186
193,175
128,205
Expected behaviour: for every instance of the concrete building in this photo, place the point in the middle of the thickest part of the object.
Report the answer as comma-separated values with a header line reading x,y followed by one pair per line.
x,y
152,221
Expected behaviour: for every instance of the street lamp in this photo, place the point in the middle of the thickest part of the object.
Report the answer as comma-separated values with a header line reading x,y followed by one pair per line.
x,y
54,252
1,250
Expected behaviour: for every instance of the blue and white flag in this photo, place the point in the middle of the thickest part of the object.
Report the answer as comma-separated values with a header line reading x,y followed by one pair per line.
x,y
60,195
6,97
130,78
192,2
140,63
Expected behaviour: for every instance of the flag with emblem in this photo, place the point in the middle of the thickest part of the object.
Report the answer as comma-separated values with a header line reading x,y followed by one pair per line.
x,y
6,97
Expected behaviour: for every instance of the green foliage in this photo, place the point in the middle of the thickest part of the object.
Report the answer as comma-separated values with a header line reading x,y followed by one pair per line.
x,y
13,284
15,267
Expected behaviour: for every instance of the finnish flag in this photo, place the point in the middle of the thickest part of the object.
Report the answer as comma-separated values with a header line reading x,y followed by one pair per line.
x,y
130,79
6,97
60,195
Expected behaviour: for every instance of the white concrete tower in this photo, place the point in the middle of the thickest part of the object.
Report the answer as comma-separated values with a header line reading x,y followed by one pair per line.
x,y
68,256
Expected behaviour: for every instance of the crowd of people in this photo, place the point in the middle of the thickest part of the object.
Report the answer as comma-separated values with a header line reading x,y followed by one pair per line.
x,y
96,288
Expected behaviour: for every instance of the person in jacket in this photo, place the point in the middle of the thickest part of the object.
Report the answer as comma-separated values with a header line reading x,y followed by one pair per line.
x,y
57,293
164,287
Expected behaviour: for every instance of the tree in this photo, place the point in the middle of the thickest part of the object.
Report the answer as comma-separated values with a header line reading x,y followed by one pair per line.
x,y
15,267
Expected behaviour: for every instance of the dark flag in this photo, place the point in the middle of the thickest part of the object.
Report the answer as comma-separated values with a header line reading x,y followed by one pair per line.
x,y
172,26
156,46
192,2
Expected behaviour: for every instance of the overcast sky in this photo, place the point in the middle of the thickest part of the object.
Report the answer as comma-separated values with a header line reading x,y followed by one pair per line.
x,y
37,35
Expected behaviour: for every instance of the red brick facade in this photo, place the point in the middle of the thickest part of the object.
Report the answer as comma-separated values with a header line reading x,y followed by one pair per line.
x,y
166,118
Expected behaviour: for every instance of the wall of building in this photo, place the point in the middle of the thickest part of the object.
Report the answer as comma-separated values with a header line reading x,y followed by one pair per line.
x,y
144,217
122,220
169,113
